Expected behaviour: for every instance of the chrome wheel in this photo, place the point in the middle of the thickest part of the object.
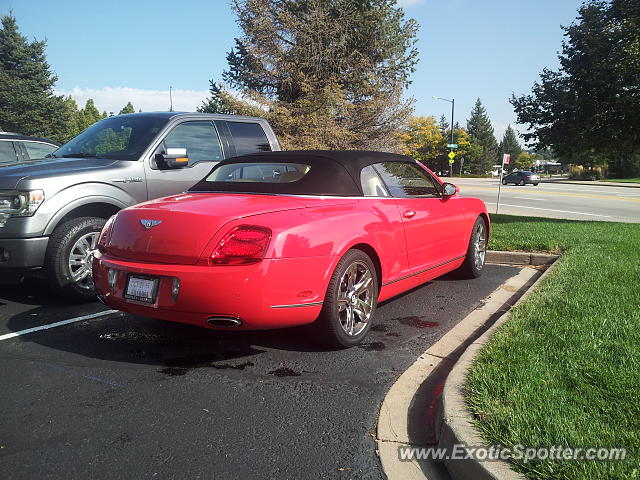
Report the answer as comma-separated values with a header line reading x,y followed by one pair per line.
x,y
81,258
480,245
355,298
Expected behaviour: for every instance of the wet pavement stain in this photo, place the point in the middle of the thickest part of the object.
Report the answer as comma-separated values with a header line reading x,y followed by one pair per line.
x,y
417,322
174,371
208,359
133,336
380,328
392,334
284,372
373,346
224,366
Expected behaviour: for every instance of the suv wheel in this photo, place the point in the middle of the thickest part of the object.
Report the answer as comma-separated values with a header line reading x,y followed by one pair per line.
x,y
69,257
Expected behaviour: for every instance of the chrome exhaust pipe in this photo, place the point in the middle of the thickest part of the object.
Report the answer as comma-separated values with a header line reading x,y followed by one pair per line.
x,y
222,321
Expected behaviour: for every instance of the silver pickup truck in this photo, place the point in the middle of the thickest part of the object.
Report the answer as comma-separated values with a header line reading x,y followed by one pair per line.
x,y
52,210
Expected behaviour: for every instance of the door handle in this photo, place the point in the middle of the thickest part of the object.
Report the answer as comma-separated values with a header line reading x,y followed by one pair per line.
x,y
409,214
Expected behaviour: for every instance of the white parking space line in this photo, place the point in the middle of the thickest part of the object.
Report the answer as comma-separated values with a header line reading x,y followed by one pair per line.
x,y
56,324
531,198
551,210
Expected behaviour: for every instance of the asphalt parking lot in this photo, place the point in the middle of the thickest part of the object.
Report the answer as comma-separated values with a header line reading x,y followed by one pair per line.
x,y
121,396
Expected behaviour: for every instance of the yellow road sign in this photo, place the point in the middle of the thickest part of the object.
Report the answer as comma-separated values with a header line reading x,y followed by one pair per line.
x,y
451,155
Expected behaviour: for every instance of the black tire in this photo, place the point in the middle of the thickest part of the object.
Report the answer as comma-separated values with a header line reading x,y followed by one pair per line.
x,y
535,184
504,182
333,322
474,261
69,238
521,183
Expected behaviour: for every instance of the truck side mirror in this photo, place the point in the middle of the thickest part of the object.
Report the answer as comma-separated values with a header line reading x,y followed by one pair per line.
x,y
174,158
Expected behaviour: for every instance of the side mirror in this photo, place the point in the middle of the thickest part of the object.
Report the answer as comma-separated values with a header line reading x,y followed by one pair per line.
x,y
174,158
449,189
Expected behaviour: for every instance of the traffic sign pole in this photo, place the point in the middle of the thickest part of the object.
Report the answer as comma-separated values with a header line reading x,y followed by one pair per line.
x,y
505,159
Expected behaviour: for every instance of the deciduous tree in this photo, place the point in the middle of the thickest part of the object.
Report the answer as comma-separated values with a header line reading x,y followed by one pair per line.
x,y
587,110
424,141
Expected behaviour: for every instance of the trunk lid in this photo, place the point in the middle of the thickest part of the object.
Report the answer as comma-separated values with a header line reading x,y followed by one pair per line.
x,y
177,229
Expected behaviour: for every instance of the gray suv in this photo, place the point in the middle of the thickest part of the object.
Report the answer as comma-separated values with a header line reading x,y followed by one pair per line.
x,y
52,210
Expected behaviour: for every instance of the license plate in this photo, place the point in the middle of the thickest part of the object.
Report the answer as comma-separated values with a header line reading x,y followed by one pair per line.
x,y
141,289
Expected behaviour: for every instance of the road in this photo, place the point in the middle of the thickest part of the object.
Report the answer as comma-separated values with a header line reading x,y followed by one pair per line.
x,y
127,397
557,200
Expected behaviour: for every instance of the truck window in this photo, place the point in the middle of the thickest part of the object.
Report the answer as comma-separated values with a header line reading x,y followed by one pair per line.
x,y
7,152
199,138
38,150
248,137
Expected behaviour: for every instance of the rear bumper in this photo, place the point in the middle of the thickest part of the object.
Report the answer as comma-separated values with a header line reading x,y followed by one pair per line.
x,y
22,253
274,293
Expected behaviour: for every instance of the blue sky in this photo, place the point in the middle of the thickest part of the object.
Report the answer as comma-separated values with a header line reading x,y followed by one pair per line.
x,y
118,51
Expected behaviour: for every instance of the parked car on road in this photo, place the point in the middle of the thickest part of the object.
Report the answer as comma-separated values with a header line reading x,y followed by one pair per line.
x,y
289,238
521,178
51,211
19,148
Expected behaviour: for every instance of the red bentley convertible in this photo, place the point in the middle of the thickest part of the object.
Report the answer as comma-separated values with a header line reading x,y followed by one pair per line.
x,y
278,239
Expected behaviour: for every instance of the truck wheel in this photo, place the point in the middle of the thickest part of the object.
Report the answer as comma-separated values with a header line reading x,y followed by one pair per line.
x,y
69,257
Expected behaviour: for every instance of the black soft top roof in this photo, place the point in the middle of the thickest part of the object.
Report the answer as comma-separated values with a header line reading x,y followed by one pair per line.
x,y
333,172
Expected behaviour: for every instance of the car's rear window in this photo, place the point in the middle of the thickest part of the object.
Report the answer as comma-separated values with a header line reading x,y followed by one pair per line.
x,y
259,172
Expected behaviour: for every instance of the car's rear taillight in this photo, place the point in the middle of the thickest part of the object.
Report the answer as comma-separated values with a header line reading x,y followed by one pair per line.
x,y
241,246
105,235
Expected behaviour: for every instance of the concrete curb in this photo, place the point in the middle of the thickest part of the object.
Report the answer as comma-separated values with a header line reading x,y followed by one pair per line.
x,y
457,421
520,258
401,421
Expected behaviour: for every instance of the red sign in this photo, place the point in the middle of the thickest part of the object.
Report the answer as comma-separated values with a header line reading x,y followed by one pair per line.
x,y
505,158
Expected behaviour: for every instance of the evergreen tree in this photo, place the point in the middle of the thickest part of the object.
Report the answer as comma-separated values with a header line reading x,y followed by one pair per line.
x,y
219,101
510,144
469,150
326,73
72,126
444,126
90,115
480,128
27,102
128,108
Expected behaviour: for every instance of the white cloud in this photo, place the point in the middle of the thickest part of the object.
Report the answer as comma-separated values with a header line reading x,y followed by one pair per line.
x,y
112,99
409,3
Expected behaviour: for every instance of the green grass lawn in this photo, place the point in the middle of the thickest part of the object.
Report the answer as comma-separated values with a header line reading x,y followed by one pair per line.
x,y
626,180
565,368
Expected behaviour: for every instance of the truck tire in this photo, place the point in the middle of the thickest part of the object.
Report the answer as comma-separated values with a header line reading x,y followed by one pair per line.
x,y
69,256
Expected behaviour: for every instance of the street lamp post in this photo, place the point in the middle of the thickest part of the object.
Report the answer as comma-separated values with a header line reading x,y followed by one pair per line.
x,y
453,103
